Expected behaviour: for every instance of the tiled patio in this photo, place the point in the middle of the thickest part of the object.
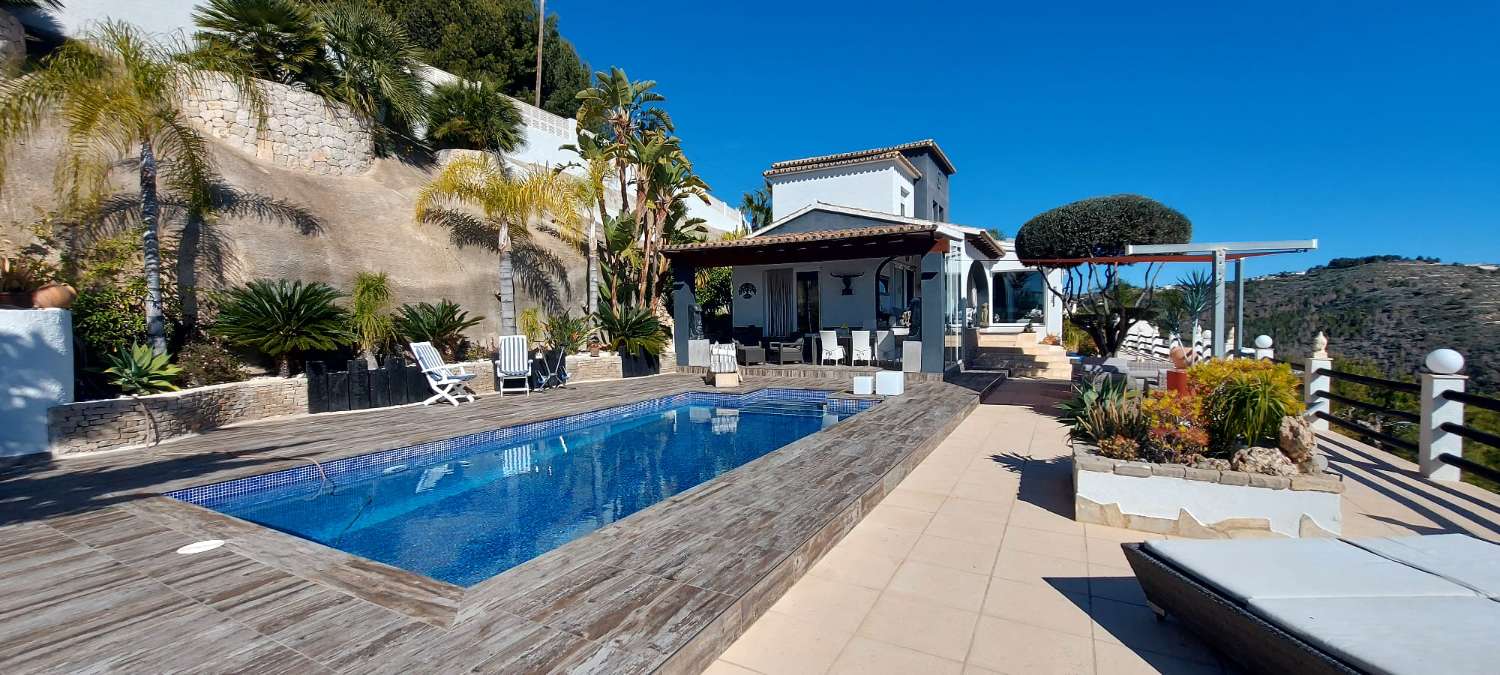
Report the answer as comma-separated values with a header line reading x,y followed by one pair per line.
x,y
973,563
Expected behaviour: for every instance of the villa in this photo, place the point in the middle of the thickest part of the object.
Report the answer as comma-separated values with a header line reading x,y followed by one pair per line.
x,y
883,460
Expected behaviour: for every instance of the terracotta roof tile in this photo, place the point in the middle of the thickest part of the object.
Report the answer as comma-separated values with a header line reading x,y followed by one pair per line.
x,y
843,158
799,237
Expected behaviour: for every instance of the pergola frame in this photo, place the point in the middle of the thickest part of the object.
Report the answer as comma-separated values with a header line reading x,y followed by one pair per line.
x,y
1218,253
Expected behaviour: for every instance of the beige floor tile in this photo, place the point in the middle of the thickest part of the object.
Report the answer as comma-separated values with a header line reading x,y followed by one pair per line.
x,y
1115,583
865,656
959,554
1105,552
1011,647
914,499
1043,542
956,526
942,585
970,669
898,518
1114,659
936,483
878,539
853,566
1135,627
1026,514
1042,606
722,667
927,627
992,510
777,643
823,602
1060,573
984,492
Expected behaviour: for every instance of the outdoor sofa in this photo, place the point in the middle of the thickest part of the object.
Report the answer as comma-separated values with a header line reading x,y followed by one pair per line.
x,y
783,350
1399,605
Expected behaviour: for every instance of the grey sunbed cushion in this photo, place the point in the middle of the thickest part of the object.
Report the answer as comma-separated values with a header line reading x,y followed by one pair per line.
x,y
1245,569
1460,558
1394,635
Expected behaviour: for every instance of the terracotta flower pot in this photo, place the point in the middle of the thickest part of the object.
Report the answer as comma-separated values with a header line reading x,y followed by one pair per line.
x,y
54,296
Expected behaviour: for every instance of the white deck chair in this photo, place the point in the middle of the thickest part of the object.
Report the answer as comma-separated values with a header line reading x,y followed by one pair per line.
x,y
860,349
449,383
831,349
513,363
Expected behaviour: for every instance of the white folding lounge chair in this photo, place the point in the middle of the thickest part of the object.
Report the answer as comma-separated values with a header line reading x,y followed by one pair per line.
x,y
513,362
831,349
448,383
723,366
860,349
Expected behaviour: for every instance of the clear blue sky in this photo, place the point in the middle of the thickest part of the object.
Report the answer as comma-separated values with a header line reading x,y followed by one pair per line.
x,y
1369,125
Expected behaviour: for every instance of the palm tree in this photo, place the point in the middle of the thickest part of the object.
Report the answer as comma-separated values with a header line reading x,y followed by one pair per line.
x,y
278,40
370,314
757,207
1196,295
596,162
473,115
622,108
664,181
376,66
117,94
282,318
510,202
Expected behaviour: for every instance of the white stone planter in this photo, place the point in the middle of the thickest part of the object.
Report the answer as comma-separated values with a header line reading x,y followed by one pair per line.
x,y
1202,503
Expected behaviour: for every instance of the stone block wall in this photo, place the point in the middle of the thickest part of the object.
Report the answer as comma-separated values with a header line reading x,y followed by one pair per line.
x,y
110,424
303,131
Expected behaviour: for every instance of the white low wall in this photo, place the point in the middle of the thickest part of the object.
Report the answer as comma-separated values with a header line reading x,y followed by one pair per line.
x,y
1209,503
36,373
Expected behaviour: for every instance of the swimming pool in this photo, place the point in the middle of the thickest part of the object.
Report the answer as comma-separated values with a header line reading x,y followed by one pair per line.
x,y
464,509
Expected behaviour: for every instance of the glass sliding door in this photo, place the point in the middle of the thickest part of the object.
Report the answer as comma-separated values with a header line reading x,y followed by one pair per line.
x,y
808,303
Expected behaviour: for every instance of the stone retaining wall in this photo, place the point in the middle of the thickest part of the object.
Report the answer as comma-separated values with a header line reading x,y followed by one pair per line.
x,y
303,131
110,424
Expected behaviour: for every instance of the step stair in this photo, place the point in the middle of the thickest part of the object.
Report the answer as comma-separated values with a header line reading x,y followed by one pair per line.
x,y
1024,357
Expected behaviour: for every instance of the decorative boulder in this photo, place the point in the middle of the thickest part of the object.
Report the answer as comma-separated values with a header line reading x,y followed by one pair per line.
x,y
1297,439
1268,461
1212,463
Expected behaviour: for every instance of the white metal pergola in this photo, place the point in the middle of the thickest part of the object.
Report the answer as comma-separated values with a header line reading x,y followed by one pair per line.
x,y
1218,253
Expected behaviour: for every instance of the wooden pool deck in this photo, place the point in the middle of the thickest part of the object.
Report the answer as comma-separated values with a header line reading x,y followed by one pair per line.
x,y
89,577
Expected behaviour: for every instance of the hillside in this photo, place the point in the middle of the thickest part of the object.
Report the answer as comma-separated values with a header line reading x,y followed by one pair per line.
x,y
1389,312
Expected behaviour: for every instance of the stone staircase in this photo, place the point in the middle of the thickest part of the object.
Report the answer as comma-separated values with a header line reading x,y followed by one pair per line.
x,y
1023,356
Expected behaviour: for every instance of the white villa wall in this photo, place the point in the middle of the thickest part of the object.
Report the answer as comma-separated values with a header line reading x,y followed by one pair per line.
x,y
835,308
876,186
36,373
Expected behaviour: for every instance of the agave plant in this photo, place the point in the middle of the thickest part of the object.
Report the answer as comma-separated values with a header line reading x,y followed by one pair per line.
x,y
1088,394
139,370
632,331
442,324
281,318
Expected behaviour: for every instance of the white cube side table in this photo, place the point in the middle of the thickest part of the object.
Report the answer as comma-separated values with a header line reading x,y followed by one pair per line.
x,y
890,383
864,385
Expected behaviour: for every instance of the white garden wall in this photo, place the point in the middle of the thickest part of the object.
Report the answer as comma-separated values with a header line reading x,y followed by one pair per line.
x,y
36,373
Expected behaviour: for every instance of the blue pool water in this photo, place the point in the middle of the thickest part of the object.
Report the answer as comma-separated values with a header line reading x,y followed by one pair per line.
x,y
466,509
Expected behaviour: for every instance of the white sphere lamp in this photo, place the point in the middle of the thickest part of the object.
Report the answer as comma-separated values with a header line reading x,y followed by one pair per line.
x,y
1262,342
1445,361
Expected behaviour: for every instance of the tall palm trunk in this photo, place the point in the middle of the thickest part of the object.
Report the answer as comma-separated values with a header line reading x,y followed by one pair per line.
x,y
187,270
593,280
156,327
507,294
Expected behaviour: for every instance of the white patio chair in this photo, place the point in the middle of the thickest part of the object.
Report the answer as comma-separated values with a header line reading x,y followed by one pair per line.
x,y
513,362
449,383
830,347
860,348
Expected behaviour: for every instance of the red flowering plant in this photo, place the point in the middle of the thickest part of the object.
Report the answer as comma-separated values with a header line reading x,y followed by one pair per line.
x,y
1176,431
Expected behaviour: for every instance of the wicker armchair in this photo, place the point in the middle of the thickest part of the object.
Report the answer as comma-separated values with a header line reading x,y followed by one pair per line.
x,y
747,345
783,350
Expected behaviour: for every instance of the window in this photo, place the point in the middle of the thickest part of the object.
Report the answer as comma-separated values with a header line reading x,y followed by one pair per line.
x,y
902,208
1017,297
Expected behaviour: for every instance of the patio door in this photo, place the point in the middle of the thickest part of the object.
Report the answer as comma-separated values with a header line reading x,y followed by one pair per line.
x,y
781,303
809,304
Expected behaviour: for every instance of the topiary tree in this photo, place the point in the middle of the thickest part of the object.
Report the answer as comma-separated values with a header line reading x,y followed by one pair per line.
x,y
1071,236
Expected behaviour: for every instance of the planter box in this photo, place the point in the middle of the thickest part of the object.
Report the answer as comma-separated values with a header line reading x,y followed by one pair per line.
x,y
632,365
1202,503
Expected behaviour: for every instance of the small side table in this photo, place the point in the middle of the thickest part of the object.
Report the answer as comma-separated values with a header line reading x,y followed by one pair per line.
x,y
890,383
864,385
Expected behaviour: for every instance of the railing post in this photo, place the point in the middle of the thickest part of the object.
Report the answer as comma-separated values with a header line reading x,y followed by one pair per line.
x,y
1314,383
1441,376
1263,348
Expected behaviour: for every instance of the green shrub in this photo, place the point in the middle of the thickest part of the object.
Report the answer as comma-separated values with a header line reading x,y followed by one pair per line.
x,y
1101,226
1245,399
473,115
277,40
632,331
281,318
208,362
567,332
370,314
138,371
442,324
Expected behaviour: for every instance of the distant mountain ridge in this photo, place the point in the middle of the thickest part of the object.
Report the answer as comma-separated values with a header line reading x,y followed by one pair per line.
x,y
1392,312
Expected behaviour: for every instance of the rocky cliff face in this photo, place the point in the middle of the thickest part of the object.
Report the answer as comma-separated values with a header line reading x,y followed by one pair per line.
x,y
1391,313
300,225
